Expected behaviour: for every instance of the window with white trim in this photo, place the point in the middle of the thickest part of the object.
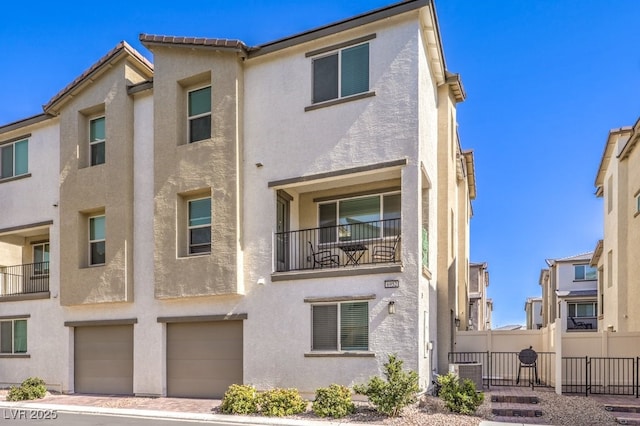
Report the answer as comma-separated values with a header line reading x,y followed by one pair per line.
x,y
340,326
14,159
342,73
199,114
97,240
585,273
13,336
358,218
41,259
199,226
97,141
582,309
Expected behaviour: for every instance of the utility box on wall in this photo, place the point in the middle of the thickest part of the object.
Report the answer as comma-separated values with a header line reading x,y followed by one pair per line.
x,y
471,371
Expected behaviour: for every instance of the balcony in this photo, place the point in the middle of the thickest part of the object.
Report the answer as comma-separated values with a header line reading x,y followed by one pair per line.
x,y
28,279
337,247
582,324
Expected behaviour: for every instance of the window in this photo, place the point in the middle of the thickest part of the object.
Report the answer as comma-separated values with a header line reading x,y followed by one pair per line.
x,y
585,273
637,203
360,218
14,159
96,141
97,241
13,336
582,309
199,114
341,73
41,259
340,327
609,194
200,226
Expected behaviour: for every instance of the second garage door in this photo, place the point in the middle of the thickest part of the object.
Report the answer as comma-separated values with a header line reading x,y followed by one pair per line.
x,y
103,359
203,358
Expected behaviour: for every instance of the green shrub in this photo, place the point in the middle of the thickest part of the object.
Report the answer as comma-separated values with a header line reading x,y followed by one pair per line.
x,y
459,397
281,402
31,388
391,396
240,399
334,401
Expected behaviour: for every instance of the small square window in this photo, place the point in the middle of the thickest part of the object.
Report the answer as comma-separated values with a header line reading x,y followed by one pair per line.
x,y
97,240
341,74
340,326
97,140
585,273
14,159
200,226
13,336
199,114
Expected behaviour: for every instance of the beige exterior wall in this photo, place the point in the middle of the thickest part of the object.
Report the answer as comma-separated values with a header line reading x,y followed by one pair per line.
x,y
105,188
183,170
632,235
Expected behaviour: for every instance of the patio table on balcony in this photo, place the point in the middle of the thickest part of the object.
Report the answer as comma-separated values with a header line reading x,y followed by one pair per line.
x,y
354,252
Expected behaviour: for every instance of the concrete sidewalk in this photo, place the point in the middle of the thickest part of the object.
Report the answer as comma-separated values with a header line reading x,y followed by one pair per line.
x,y
201,410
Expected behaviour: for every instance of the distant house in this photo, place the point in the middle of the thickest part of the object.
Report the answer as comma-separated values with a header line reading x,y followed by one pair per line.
x,y
480,307
569,292
533,309
615,257
509,327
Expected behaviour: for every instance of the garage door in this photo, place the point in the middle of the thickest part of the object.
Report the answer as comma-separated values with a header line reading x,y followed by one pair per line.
x,y
103,359
203,358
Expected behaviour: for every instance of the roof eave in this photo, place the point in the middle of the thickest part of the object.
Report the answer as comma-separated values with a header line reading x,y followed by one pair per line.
x,y
597,252
606,156
122,50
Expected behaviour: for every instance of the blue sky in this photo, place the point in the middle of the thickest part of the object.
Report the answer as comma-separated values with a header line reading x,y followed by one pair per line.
x,y
545,81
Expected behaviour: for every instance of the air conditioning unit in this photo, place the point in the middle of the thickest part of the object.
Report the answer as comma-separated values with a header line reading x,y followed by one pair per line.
x,y
471,371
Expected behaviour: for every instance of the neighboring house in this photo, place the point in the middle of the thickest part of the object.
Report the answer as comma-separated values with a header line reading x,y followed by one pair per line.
x,y
480,307
236,214
509,327
533,310
569,292
618,182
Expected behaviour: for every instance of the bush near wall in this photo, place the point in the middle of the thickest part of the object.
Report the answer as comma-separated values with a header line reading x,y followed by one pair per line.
x,y
31,388
334,401
459,397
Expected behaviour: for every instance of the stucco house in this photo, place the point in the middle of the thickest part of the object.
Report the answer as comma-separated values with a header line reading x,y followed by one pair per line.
x,y
569,292
278,215
480,306
618,183
533,313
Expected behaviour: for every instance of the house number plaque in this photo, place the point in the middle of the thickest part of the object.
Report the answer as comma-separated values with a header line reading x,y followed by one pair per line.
x,y
391,283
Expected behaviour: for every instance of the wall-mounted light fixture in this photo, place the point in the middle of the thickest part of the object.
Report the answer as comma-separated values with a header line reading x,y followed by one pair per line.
x,y
392,307
457,321
258,165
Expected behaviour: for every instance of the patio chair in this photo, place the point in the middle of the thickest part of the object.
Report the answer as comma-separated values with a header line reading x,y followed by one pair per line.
x,y
385,252
580,324
324,258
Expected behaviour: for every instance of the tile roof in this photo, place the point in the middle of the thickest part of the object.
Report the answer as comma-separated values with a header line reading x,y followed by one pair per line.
x,y
194,41
122,47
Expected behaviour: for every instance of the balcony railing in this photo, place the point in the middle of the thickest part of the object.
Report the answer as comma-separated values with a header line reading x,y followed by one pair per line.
x,y
349,245
24,279
582,324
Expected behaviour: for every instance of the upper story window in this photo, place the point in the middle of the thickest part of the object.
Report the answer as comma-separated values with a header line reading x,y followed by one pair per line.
x,y
14,159
13,336
97,240
585,273
41,259
341,73
638,203
371,216
582,309
200,226
199,112
97,140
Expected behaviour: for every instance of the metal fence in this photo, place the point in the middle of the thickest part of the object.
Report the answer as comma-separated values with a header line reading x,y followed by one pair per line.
x,y
601,375
580,375
24,279
506,368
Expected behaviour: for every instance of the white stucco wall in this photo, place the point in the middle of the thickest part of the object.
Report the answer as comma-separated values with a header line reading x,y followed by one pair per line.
x,y
24,202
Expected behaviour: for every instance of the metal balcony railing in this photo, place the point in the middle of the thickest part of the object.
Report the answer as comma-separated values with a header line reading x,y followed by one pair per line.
x,y
348,245
24,279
